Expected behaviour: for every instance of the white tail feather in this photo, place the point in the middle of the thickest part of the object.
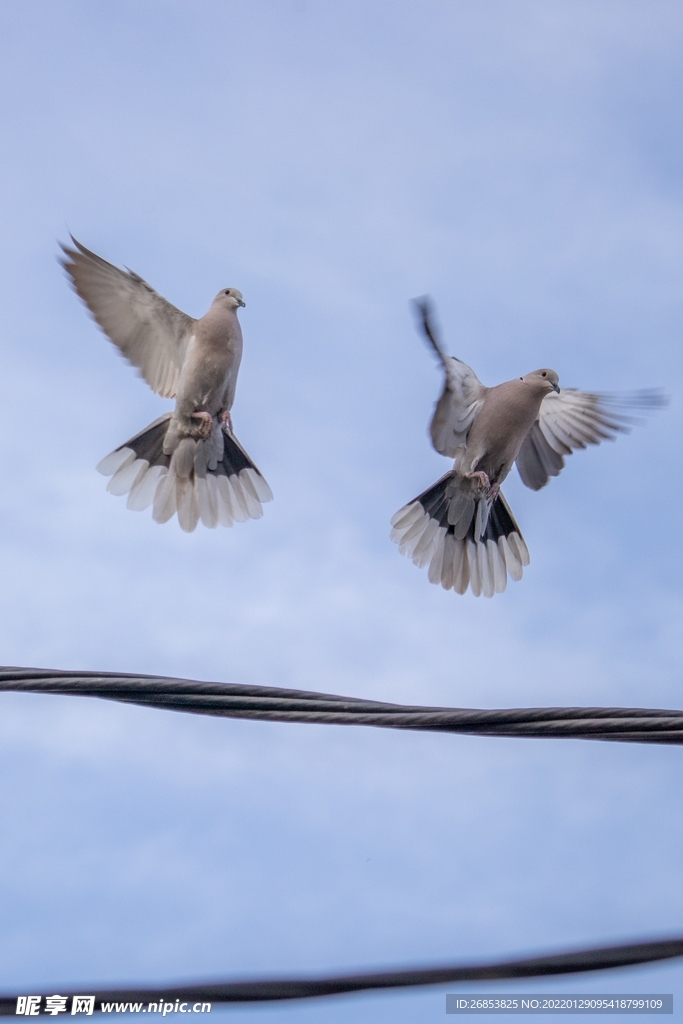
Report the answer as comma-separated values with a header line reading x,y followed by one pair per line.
x,y
436,564
423,550
410,537
251,502
259,486
225,497
142,493
461,568
519,548
114,461
127,476
497,562
222,511
188,509
407,515
473,563
208,513
191,486
512,562
164,505
238,500
484,570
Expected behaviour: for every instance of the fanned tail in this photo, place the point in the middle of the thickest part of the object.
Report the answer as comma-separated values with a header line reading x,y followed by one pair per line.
x,y
465,540
212,479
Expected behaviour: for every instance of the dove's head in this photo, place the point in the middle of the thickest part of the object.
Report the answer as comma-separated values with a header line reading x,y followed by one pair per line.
x,y
229,297
543,381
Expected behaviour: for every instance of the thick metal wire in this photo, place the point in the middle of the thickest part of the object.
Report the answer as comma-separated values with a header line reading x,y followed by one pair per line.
x,y
272,704
271,989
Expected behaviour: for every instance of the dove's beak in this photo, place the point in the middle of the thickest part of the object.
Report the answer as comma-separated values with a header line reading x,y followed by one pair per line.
x,y
556,388
241,303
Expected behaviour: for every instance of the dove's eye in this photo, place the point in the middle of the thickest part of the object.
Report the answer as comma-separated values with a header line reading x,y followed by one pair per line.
x,y
227,291
544,374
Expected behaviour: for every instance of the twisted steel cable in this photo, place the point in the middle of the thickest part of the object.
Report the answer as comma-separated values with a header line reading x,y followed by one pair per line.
x,y
272,704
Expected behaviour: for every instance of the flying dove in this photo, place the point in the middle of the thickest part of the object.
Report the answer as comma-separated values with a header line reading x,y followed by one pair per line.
x,y
462,525
188,461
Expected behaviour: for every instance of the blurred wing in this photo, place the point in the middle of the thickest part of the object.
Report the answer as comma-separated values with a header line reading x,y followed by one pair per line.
x,y
423,308
151,333
461,398
574,419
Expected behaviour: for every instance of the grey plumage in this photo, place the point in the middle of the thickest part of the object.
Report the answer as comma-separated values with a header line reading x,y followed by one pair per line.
x,y
574,419
187,462
462,526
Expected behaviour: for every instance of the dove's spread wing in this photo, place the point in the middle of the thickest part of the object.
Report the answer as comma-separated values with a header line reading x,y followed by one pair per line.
x,y
461,400
462,396
151,333
574,419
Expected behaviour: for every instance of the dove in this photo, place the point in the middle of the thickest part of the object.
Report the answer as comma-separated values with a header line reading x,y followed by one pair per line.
x,y
462,526
187,462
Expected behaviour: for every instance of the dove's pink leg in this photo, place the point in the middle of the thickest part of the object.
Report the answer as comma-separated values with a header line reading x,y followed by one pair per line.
x,y
226,420
492,489
481,477
207,422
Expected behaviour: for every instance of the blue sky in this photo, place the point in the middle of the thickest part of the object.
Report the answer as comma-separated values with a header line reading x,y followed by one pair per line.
x,y
523,165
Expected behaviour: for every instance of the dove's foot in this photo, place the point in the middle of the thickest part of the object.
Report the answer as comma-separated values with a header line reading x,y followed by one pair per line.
x,y
226,420
485,489
206,421
483,479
